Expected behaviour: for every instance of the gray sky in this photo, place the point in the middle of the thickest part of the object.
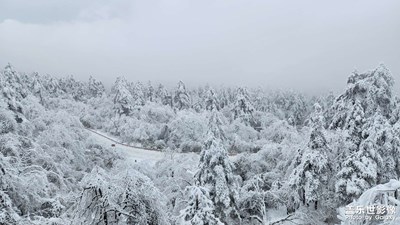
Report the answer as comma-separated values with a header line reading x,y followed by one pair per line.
x,y
304,45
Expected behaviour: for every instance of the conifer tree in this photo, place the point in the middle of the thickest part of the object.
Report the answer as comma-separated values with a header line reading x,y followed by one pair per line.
x,y
216,174
163,96
381,141
215,126
310,178
211,101
138,95
96,88
37,87
150,92
243,108
364,111
200,209
122,97
181,98
12,87
358,173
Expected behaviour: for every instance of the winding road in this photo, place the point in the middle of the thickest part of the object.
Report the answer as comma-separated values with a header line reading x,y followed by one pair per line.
x,y
136,154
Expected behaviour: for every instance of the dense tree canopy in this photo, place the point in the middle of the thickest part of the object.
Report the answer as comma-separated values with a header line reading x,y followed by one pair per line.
x,y
232,155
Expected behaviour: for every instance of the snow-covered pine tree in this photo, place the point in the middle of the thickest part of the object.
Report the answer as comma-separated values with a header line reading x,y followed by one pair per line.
x,y
150,92
223,98
355,124
52,86
294,107
201,92
122,97
326,102
211,101
12,87
216,174
138,94
96,88
310,178
215,126
363,111
8,212
198,98
382,143
200,209
289,105
370,91
163,96
243,108
7,121
357,170
395,134
37,88
259,100
181,98
73,88
358,173
299,109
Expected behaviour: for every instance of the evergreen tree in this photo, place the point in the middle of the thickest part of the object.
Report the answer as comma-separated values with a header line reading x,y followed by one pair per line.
x,y
181,98
12,87
215,126
37,87
368,92
355,124
211,101
310,178
96,88
223,98
52,86
163,96
364,111
198,98
243,108
395,144
295,108
150,92
138,95
358,173
122,97
381,141
200,209
216,174
259,100
73,88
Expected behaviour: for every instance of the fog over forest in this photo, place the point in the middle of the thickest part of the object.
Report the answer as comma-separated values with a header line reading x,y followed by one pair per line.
x,y
275,44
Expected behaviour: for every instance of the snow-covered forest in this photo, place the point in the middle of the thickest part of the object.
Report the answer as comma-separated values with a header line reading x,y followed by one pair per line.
x,y
230,155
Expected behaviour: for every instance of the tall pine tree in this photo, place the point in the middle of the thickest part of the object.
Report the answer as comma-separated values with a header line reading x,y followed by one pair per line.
x,y
310,177
363,111
181,98
122,97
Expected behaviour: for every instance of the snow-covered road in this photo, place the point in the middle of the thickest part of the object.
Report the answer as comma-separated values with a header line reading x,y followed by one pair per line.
x,y
135,154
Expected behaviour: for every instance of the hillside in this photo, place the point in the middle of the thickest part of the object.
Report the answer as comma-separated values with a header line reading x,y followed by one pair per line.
x,y
209,155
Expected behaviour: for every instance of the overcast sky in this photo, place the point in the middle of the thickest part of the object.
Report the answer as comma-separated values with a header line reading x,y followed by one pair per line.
x,y
304,45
